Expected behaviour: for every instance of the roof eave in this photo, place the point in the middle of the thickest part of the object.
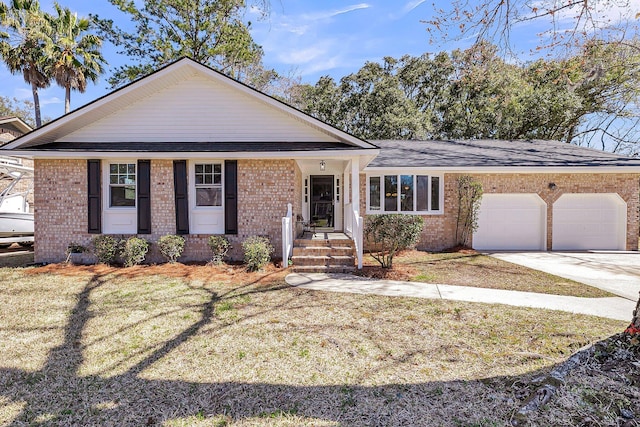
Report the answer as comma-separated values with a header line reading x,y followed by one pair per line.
x,y
513,169
366,154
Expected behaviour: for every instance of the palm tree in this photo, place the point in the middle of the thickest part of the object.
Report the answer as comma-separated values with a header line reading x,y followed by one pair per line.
x,y
73,54
23,35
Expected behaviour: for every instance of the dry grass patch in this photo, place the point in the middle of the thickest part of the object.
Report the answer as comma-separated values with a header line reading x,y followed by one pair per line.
x,y
470,268
200,345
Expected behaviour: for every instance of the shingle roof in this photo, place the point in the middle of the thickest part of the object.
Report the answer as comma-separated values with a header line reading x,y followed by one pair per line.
x,y
493,153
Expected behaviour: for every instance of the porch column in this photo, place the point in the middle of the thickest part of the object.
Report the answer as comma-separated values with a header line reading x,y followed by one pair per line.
x,y
355,184
346,197
358,232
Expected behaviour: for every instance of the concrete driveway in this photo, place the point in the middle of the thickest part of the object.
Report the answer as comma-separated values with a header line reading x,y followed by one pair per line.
x,y
616,272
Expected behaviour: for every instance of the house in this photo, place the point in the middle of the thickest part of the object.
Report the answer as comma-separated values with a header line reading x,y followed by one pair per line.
x,y
190,151
12,127
538,195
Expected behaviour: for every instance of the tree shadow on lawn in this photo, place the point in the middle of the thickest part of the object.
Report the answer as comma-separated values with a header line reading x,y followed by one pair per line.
x,y
58,395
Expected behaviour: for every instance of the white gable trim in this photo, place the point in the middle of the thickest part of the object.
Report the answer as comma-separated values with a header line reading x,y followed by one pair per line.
x,y
179,70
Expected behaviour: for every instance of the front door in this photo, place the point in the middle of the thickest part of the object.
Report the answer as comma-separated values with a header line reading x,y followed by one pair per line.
x,y
322,212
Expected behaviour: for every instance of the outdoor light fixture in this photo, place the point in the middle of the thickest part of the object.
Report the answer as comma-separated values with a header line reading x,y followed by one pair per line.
x,y
323,164
552,186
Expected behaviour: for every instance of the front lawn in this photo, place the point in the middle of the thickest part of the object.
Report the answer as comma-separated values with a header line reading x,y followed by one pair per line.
x,y
470,268
196,345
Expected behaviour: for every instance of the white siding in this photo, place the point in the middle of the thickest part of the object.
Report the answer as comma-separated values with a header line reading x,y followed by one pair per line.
x,y
198,110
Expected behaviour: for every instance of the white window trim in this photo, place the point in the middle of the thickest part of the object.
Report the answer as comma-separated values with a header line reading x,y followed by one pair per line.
x,y
191,183
381,175
106,185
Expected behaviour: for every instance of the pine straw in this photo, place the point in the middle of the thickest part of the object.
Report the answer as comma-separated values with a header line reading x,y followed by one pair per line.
x,y
466,267
195,345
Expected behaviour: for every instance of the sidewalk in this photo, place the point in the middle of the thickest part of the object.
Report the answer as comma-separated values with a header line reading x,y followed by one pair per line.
x,y
613,308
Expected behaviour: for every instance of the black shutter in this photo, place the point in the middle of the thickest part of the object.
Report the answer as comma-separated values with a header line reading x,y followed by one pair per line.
x,y
231,197
95,200
182,201
144,196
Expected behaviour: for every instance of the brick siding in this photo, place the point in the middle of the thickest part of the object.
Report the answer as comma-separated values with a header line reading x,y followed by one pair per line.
x,y
439,230
264,189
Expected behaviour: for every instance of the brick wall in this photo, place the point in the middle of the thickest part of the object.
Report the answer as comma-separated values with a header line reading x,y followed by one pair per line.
x,y
264,189
439,230
60,195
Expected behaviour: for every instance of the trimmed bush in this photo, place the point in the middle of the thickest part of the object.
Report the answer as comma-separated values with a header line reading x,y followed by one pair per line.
x,y
219,246
105,248
390,233
134,251
171,247
257,252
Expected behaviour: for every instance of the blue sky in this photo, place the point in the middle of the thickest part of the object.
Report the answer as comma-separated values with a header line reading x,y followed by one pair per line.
x,y
300,37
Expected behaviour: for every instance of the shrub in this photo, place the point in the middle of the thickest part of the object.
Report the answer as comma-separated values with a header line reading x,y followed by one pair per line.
x,y
105,248
257,252
134,251
388,234
219,246
73,248
171,247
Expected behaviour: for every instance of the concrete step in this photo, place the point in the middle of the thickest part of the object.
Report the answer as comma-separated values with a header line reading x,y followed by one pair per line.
x,y
320,261
303,243
323,250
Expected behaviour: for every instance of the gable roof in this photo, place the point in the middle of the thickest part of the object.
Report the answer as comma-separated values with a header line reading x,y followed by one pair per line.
x,y
494,154
142,111
12,127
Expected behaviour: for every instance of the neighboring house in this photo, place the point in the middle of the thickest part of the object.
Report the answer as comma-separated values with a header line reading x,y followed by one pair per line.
x,y
190,151
11,128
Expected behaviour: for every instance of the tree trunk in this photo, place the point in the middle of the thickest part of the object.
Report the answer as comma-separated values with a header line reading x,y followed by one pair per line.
x,y
67,99
634,327
36,104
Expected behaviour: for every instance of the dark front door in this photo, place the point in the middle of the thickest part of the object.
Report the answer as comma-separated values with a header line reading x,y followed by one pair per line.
x,y
322,200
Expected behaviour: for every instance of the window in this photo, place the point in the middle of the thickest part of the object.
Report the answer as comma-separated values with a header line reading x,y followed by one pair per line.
x,y
208,182
122,185
374,193
404,193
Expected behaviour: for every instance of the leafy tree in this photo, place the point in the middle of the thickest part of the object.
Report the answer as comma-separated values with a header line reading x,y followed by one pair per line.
x,y
209,31
23,35
476,94
74,54
12,107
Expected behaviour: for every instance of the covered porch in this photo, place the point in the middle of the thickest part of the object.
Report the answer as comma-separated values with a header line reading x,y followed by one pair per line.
x,y
327,209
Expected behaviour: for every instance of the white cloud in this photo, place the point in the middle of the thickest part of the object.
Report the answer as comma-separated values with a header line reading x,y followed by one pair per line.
x,y
411,5
21,93
51,101
313,41
321,15
295,56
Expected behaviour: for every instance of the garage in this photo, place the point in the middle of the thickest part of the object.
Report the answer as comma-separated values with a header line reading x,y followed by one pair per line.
x,y
511,222
589,221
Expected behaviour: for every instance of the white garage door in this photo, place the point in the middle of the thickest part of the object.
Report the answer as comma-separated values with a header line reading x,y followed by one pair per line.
x,y
511,222
589,221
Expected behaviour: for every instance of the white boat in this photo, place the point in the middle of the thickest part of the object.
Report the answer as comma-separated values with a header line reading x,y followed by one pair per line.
x,y
16,183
